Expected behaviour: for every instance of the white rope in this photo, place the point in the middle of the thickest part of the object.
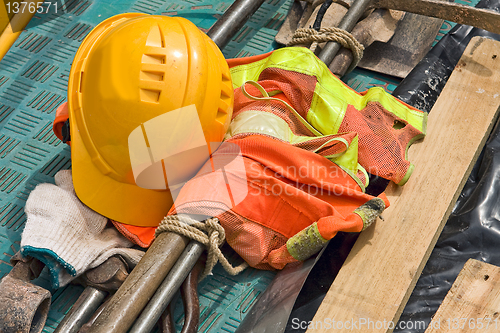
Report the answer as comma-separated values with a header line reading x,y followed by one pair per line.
x,y
209,233
344,38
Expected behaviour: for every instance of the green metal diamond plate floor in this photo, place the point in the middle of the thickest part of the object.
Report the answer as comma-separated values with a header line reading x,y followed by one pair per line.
x,y
33,83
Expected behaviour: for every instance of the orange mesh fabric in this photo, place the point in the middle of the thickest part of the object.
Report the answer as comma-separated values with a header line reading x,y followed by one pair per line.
x,y
288,189
294,88
383,140
253,241
298,88
142,236
317,144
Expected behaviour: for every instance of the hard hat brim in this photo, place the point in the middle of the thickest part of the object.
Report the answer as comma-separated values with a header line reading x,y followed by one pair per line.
x,y
104,194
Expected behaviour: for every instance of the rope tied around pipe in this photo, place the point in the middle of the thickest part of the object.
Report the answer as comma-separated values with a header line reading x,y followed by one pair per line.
x,y
343,37
209,233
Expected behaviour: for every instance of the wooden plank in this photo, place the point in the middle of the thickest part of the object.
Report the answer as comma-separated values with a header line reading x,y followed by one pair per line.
x,y
473,302
380,273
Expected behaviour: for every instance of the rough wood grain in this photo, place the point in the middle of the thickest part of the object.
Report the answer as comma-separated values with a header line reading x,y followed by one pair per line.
x,y
473,302
380,273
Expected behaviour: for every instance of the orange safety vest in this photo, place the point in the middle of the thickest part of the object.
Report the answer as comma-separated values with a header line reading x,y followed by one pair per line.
x,y
288,103
385,126
288,189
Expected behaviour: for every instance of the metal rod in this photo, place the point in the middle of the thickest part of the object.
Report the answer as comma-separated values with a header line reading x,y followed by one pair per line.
x,y
140,285
82,310
348,22
166,291
477,17
233,20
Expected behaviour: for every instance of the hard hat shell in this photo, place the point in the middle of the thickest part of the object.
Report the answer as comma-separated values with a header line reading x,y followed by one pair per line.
x,y
132,68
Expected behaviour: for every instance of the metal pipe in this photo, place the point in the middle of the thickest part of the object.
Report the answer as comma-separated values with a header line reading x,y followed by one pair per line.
x,y
85,328
166,291
233,20
24,306
450,11
140,285
477,17
348,22
82,310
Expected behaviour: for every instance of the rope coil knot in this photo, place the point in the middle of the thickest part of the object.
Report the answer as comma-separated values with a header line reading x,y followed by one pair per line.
x,y
329,34
209,233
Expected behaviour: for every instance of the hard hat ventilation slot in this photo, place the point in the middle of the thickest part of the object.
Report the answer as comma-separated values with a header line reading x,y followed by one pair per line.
x,y
221,116
226,89
225,92
155,37
226,77
151,76
225,98
150,95
153,59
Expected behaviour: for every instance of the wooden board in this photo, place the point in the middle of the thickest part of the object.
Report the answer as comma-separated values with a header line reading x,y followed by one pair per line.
x,y
473,302
379,274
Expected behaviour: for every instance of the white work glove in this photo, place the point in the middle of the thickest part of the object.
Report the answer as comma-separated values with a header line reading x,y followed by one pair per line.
x,y
67,236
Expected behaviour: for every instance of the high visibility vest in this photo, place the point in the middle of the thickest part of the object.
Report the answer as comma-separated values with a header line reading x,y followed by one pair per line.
x,y
292,114
323,105
295,199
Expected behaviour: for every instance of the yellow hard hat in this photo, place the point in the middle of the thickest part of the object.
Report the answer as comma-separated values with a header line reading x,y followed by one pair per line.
x,y
130,69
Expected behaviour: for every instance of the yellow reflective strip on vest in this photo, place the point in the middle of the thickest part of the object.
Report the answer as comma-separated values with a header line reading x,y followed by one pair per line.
x,y
349,159
249,72
327,111
354,175
331,95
